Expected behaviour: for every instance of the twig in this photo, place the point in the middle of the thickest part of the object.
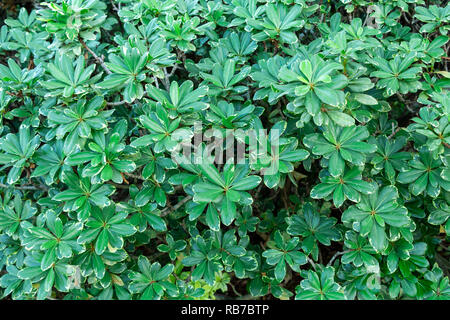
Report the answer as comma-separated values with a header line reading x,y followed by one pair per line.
x,y
114,6
311,262
119,186
168,211
399,96
33,187
175,67
393,131
115,104
96,57
135,176
156,82
234,290
166,81
337,254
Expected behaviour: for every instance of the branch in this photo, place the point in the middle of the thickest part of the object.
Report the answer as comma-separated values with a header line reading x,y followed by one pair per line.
x,y
393,131
96,57
114,6
311,261
174,68
135,176
115,104
118,186
166,81
33,187
168,211
337,254
156,82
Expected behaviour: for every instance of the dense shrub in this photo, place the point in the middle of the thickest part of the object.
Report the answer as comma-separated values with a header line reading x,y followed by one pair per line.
x,y
346,195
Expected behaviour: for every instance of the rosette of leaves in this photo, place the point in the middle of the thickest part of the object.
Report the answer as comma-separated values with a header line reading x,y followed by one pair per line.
x,y
17,152
341,144
165,133
25,21
14,213
205,258
81,196
172,247
57,239
245,11
284,251
346,51
266,74
73,19
424,175
17,79
397,75
108,159
427,50
314,228
279,24
356,30
408,280
434,127
27,44
349,186
386,14
440,288
223,79
154,191
69,77
77,123
127,72
181,98
319,286
151,280
235,256
15,286
50,162
181,32
371,216
225,190
56,276
142,211
314,82
435,17
154,165
29,110
187,291
231,115
388,158
398,251
359,251
12,251
360,283
278,155
106,228
246,222
94,265
239,45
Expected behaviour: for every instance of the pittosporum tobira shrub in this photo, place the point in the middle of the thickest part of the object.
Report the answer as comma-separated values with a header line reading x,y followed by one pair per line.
x,y
192,149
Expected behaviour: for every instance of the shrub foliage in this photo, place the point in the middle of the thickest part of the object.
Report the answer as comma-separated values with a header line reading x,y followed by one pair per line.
x,y
96,95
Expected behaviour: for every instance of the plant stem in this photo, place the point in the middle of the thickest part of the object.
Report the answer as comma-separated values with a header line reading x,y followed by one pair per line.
x,y
168,211
96,57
